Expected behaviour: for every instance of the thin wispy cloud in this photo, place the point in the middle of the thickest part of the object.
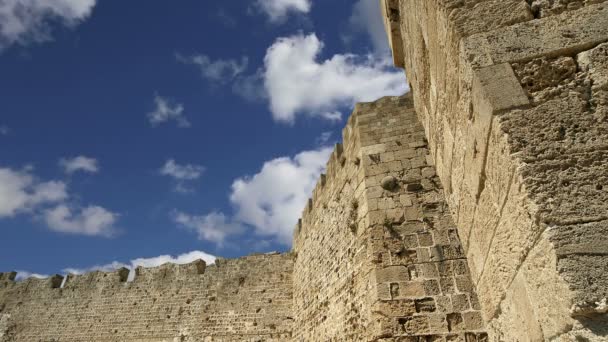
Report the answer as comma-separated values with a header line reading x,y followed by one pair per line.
x,y
323,139
367,18
79,164
4,130
213,227
24,22
165,110
182,174
220,70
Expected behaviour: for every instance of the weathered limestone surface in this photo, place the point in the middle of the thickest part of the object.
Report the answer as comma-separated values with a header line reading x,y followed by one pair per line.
x,y
378,255
513,98
248,299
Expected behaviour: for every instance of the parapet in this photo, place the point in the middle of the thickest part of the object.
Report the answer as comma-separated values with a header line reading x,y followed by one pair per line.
x,y
96,279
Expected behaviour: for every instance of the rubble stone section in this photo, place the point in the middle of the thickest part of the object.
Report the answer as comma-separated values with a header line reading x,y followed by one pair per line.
x,y
247,299
513,98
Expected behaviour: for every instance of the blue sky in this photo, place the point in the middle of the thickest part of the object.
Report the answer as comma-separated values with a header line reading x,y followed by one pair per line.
x,y
140,132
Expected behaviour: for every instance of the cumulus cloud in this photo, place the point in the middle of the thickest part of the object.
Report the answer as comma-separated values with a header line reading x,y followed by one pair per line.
x,y
271,201
91,220
185,258
21,192
297,82
80,163
278,10
367,17
221,70
29,21
165,111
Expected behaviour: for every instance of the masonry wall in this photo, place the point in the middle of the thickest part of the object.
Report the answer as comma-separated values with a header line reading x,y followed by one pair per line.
x,y
378,256
247,299
333,293
513,96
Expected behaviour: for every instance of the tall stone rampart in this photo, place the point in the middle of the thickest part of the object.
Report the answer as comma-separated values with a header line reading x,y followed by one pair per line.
x,y
378,255
513,96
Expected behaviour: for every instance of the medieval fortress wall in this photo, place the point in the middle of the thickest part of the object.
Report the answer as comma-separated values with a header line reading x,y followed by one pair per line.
x,y
247,299
473,209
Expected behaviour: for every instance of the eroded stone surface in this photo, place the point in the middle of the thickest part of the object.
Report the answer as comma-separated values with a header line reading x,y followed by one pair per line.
x,y
524,178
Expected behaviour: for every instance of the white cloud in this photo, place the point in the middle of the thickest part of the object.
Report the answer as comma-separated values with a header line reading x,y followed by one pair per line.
x,y
166,111
23,275
91,220
214,227
323,138
221,70
273,199
4,130
183,175
270,201
21,192
80,163
250,87
367,17
181,172
28,21
113,266
181,259
296,82
277,10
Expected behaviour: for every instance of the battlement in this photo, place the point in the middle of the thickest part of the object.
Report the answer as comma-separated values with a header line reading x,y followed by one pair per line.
x,y
347,156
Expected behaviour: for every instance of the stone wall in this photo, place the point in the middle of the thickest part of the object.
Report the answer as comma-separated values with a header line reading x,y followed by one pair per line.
x,y
378,256
247,299
513,96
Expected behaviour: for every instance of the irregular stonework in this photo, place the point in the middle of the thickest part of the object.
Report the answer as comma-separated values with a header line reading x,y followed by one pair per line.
x,y
515,111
